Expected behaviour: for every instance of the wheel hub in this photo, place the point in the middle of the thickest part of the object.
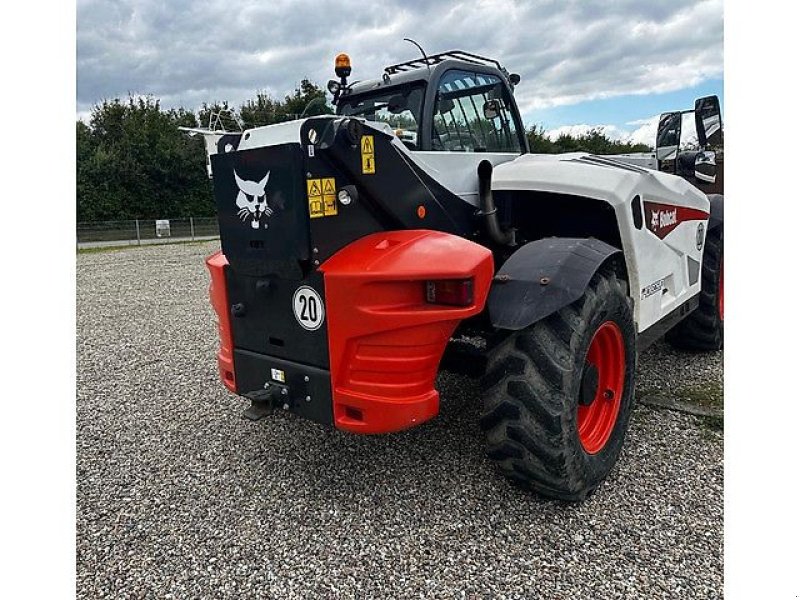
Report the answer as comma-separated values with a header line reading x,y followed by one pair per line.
x,y
602,386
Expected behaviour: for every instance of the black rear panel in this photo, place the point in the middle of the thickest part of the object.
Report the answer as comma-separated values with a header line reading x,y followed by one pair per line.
x,y
263,318
280,242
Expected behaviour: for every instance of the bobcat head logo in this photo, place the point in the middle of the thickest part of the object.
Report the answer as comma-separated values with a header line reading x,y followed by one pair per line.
x,y
252,201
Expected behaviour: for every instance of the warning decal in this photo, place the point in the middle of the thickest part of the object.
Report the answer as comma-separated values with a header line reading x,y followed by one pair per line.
x,y
322,197
367,155
329,196
367,144
315,208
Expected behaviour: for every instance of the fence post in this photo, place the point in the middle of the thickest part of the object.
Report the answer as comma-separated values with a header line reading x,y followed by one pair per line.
x,y
138,235
191,226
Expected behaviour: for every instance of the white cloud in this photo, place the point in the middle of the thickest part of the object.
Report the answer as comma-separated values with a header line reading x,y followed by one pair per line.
x,y
610,131
644,134
186,52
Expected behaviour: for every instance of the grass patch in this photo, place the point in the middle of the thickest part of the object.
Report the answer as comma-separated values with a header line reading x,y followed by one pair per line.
x,y
714,423
99,249
708,395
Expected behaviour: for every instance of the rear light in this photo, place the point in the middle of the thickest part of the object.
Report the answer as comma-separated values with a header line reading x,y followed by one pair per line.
x,y
454,292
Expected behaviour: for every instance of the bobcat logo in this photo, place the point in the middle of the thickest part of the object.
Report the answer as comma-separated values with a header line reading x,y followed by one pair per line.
x,y
252,201
663,218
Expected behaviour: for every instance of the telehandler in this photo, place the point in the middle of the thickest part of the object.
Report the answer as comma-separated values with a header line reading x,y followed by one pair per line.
x,y
413,228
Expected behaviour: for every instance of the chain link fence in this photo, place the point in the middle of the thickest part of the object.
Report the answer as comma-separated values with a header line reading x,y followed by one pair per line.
x,y
94,234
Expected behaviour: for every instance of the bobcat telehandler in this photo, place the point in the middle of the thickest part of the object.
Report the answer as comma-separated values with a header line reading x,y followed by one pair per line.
x,y
359,249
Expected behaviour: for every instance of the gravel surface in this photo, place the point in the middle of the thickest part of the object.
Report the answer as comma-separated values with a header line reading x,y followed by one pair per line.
x,y
178,497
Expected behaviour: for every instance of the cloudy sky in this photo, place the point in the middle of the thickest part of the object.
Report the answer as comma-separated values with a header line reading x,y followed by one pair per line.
x,y
613,63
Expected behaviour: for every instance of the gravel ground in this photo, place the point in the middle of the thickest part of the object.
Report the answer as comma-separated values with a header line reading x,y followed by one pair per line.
x,y
178,497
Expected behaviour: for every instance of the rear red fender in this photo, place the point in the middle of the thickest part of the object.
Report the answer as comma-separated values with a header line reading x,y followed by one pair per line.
x,y
385,340
218,294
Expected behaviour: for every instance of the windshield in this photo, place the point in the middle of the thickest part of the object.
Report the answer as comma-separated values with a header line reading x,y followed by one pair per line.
x,y
472,114
400,108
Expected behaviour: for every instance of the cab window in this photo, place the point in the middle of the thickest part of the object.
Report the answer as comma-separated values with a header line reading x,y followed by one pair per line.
x,y
472,113
399,108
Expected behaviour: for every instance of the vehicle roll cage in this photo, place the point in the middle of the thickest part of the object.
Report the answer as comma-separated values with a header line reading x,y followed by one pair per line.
x,y
435,59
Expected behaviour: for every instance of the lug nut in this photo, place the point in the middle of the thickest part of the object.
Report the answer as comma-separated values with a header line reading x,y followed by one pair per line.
x,y
285,407
308,398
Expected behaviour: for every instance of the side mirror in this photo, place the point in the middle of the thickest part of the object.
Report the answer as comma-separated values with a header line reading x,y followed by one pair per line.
x,y
496,92
708,120
705,167
397,104
491,109
668,137
446,105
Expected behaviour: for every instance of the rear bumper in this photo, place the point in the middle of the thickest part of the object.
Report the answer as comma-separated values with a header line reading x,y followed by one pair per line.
x,y
385,341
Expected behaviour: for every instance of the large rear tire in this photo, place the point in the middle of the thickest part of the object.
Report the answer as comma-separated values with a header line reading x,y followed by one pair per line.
x,y
558,394
703,329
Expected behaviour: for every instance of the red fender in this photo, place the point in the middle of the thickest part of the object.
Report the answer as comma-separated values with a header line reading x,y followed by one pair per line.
x,y
385,340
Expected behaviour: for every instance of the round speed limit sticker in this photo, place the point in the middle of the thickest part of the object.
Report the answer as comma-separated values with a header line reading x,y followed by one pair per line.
x,y
308,308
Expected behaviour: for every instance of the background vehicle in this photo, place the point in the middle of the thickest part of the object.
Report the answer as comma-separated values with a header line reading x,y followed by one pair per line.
x,y
703,166
358,249
700,161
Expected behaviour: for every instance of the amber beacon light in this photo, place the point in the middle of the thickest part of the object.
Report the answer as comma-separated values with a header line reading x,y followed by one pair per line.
x,y
342,66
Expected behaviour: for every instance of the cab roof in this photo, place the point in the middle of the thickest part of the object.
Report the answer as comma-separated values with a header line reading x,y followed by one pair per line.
x,y
425,69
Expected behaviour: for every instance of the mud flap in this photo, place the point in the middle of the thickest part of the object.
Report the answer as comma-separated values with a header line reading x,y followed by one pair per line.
x,y
542,277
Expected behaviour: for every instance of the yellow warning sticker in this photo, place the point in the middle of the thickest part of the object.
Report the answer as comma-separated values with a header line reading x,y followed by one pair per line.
x,y
329,197
367,144
329,205
314,187
315,206
367,164
322,197
367,154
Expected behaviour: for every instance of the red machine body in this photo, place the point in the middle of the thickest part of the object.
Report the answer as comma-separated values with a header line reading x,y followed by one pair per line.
x,y
385,336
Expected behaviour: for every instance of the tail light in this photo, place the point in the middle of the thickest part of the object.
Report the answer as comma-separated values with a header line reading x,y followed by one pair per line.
x,y
453,292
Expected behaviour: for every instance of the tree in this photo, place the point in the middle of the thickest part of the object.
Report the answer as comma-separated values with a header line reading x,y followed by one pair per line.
x,y
595,141
308,100
133,162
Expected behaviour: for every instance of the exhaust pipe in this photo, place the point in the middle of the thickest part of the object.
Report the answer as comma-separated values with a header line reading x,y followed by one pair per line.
x,y
488,209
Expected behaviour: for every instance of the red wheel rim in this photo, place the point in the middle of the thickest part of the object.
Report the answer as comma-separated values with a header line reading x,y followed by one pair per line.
x,y
596,421
721,292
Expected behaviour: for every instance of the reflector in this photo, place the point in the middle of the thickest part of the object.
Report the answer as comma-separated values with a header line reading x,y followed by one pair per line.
x,y
453,292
